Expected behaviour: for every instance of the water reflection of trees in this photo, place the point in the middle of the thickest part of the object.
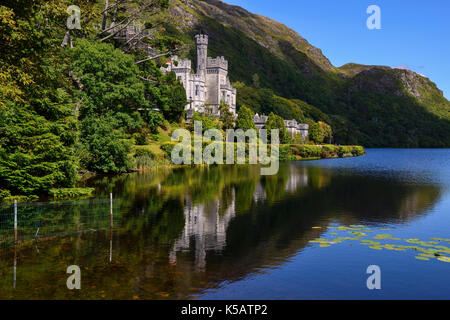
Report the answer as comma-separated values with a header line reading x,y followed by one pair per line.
x,y
186,230
253,220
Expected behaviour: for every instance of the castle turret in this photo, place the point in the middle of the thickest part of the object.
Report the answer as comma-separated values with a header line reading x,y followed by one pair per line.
x,y
202,52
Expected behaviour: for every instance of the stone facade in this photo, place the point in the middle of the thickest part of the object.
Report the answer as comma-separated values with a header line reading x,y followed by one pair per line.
x,y
292,126
209,85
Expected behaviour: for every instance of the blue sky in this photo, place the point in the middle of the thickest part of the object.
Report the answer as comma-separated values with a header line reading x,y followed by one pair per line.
x,y
415,34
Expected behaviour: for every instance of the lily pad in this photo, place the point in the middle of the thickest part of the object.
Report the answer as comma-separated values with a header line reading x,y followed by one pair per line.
x,y
422,258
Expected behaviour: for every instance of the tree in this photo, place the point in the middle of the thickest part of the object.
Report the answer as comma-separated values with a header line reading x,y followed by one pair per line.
x,y
106,153
110,93
326,131
37,127
320,131
208,121
276,122
226,117
165,92
316,133
109,79
255,80
245,119
154,119
174,97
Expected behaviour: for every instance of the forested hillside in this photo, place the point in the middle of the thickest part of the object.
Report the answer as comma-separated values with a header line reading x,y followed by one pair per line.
x,y
94,99
370,105
73,100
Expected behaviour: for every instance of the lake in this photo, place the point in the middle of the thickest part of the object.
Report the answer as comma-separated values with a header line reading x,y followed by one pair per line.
x,y
226,232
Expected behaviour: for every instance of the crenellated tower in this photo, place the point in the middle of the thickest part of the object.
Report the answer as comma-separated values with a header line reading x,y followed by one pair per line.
x,y
209,85
201,41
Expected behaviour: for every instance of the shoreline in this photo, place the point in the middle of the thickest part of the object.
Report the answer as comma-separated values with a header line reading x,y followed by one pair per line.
x,y
287,153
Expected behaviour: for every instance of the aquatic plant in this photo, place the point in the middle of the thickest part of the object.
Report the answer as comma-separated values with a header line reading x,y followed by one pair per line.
x,y
426,250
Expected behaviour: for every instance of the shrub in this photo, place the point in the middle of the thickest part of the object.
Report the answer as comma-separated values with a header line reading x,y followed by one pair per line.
x,y
106,152
65,193
141,138
167,148
154,119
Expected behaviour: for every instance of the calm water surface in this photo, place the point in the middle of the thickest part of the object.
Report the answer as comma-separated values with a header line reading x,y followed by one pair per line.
x,y
228,233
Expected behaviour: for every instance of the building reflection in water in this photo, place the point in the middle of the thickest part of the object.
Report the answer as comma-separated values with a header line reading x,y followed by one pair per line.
x,y
206,224
297,177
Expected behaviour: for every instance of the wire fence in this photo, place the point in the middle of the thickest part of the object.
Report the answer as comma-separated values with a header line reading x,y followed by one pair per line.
x,y
20,222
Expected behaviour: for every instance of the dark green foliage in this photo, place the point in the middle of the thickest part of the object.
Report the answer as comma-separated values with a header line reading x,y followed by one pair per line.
x,y
154,119
37,129
245,119
35,154
106,152
264,101
168,95
110,95
109,78
167,148
140,138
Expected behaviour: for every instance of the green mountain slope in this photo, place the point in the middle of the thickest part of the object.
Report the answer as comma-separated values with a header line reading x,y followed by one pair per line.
x,y
370,105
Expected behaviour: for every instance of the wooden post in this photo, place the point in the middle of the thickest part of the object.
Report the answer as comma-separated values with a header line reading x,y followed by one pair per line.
x,y
15,265
110,244
111,210
15,242
111,226
15,221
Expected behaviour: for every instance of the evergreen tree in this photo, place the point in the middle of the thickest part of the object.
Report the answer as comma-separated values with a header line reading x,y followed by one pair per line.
x,y
37,127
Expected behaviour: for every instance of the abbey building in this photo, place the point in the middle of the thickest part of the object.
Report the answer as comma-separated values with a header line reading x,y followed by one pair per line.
x,y
209,85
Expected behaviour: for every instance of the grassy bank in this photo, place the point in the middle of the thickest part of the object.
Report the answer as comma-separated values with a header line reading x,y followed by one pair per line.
x,y
289,152
157,153
292,152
